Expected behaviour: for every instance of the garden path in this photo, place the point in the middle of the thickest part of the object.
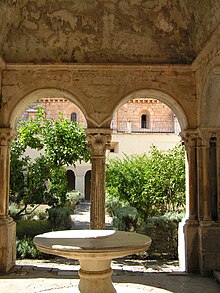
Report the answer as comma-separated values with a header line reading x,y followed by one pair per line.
x,y
81,217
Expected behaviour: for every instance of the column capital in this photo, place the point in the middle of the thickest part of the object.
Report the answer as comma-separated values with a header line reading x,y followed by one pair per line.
x,y
6,136
99,140
189,137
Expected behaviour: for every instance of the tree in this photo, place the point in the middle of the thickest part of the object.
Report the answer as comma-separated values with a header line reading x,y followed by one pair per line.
x,y
153,184
43,180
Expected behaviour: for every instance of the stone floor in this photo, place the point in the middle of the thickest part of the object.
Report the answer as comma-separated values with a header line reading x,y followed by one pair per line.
x,y
60,275
129,276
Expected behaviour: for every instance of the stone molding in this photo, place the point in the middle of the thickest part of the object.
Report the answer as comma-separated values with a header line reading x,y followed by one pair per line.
x,y
6,136
99,141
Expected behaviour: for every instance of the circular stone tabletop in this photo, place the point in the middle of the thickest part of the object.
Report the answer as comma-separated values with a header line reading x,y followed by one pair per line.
x,y
89,243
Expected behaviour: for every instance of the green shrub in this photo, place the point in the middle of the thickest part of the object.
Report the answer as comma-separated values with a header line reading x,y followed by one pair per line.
x,y
164,234
153,183
59,218
31,228
72,199
27,249
125,219
113,202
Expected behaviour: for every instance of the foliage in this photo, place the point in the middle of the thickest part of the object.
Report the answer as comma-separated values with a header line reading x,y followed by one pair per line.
x,y
72,199
163,231
31,228
153,184
59,218
27,249
125,219
43,180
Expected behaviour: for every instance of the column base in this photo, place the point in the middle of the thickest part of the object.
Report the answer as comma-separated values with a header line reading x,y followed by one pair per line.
x,y
191,246
209,249
7,243
95,277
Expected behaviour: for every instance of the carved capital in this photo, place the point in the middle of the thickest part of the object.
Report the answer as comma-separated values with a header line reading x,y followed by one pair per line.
x,y
6,136
98,141
205,135
189,138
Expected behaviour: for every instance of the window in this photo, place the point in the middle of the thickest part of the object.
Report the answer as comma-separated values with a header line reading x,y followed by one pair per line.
x,y
144,121
74,117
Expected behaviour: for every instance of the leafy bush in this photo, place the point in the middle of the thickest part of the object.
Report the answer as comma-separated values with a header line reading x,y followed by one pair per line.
x,y
27,249
59,218
113,201
31,228
125,219
72,199
153,184
163,231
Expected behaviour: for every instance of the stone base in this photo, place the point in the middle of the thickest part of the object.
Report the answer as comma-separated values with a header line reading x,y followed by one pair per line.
x,y
191,246
7,244
209,252
95,276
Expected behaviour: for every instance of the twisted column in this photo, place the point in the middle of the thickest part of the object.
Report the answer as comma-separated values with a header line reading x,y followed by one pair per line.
x,y
98,141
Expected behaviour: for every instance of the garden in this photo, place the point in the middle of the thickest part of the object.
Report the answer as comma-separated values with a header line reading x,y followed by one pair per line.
x,y
144,193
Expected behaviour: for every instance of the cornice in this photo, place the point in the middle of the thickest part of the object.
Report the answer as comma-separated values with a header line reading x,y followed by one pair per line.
x,y
104,67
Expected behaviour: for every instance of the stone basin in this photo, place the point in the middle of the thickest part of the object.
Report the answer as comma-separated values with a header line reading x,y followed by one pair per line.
x,y
95,250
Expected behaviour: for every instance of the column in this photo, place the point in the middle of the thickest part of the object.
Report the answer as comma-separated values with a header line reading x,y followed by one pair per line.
x,y
7,226
98,141
190,143
218,175
204,137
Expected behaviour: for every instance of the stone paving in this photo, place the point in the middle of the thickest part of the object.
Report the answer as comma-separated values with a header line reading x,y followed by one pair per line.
x,y
130,275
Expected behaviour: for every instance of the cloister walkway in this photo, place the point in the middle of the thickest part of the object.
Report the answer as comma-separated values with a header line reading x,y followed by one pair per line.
x,y
129,275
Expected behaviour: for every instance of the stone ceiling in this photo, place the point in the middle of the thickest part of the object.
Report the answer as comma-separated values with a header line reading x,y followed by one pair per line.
x,y
106,31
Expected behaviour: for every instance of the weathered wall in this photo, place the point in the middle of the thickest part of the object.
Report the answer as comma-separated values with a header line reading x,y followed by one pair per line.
x,y
96,31
207,73
97,90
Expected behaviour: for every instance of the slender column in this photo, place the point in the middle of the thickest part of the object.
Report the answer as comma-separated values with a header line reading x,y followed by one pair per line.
x,y
7,226
218,175
205,147
190,142
98,141
6,135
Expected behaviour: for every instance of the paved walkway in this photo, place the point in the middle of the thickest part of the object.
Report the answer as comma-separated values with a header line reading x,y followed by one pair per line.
x,y
129,275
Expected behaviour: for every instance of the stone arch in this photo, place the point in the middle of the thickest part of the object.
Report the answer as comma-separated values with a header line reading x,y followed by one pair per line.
x,y
23,103
159,95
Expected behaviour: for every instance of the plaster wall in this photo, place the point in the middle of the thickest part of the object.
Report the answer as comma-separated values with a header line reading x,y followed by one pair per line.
x,y
130,144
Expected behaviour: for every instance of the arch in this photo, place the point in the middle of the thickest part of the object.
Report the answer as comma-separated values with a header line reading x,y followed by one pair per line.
x,y
88,185
71,180
159,95
40,94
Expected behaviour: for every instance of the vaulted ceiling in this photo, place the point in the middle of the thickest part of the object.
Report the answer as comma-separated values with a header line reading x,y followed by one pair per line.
x,y
106,31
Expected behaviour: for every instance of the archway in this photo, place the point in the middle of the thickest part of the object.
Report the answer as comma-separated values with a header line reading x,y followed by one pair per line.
x,y
71,180
88,185
40,94
157,125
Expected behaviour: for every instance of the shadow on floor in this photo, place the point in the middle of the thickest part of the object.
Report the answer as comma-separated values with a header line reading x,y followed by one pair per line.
x,y
170,282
